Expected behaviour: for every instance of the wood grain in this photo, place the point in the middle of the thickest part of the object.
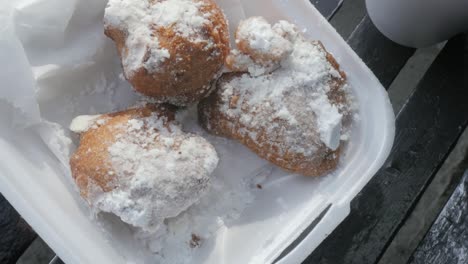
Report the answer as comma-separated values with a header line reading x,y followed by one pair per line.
x,y
447,240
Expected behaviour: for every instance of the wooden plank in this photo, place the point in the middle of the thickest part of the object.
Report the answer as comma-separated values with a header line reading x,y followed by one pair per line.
x,y
429,206
447,240
348,17
383,56
428,126
15,234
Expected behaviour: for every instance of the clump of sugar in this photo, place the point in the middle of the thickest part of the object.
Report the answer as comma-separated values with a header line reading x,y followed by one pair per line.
x,y
159,171
329,120
139,18
82,123
262,40
295,89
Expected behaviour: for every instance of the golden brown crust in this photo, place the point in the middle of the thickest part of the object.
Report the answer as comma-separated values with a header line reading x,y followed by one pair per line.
x,y
185,76
268,144
90,163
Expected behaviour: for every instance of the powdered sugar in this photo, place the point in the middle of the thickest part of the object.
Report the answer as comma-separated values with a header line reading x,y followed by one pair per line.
x,y
297,91
238,61
222,204
139,18
159,172
262,40
329,120
83,123
183,14
165,188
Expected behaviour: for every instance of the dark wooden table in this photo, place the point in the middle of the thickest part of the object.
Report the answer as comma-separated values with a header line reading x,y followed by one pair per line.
x,y
427,128
447,240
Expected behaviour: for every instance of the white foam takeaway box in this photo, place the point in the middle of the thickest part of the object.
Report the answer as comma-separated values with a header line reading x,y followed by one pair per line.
x,y
53,50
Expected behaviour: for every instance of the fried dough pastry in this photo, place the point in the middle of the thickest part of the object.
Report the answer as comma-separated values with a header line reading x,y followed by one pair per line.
x,y
171,50
139,165
289,104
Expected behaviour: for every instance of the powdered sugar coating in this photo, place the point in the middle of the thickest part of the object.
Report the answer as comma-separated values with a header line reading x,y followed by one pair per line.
x,y
293,111
256,37
139,19
171,50
300,87
156,171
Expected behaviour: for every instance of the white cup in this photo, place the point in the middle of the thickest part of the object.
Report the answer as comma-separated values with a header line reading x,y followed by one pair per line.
x,y
419,23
